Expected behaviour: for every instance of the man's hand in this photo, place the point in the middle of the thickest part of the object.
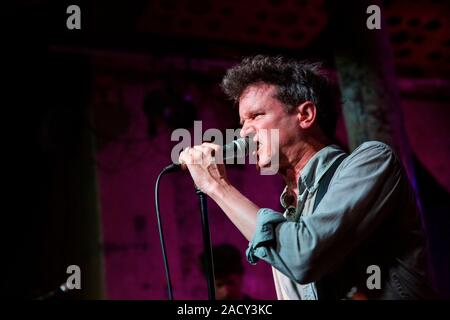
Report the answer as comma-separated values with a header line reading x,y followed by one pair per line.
x,y
201,163
210,177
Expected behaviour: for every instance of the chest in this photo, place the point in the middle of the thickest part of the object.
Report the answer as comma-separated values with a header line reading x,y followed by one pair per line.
x,y
301,205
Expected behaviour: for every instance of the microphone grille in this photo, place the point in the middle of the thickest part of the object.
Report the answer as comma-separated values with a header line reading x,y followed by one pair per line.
x,y
242,146
237,149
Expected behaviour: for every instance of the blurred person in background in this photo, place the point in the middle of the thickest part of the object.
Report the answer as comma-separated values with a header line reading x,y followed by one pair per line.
x,y
228,272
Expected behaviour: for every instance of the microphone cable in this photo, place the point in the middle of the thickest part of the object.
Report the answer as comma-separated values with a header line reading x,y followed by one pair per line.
x,y
239,147
160,229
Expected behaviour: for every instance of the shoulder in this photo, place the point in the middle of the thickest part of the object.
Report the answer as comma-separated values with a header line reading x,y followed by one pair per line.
x,y
372,149
372,154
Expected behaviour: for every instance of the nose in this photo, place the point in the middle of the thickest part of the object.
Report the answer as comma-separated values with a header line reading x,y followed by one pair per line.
x,y
247,130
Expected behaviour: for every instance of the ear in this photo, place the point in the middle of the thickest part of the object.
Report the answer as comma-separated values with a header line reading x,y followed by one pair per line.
x,y
306,114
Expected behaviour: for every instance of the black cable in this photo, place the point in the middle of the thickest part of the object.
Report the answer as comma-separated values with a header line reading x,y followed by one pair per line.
x,y
161,236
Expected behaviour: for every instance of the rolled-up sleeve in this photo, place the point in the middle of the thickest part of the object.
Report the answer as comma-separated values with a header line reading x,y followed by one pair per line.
x,y
264,236
363,192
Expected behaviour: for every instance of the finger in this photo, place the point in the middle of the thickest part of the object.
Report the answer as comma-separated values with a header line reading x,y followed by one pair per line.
x,y
211,145
207,151
207,154
255,137
182,158
215,149
187,156
197,154
216,152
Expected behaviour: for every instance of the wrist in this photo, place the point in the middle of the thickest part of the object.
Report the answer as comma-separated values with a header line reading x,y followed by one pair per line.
x,y
219,189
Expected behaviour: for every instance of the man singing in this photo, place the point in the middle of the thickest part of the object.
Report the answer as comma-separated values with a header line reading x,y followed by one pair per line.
x,y
346,218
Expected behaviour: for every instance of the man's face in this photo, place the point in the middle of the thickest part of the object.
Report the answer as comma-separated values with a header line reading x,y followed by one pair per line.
x,y
258,110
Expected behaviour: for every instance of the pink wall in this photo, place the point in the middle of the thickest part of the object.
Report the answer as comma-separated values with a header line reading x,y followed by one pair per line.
x,y
127,170
427,125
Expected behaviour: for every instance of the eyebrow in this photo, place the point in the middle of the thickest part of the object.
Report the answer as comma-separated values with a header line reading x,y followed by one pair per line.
x,y
252,111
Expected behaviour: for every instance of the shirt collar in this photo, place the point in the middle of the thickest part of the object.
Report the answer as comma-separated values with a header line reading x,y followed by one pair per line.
x,y
313,171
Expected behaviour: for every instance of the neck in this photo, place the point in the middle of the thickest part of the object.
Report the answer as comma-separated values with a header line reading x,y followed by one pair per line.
x,y
299,158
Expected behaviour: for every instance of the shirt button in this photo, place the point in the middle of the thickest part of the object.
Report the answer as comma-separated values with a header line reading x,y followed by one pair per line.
x,y
263,252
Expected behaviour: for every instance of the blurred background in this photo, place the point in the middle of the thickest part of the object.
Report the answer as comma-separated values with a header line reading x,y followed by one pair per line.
x,y
88,118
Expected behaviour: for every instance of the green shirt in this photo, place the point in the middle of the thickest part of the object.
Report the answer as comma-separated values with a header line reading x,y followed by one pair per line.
x,y
367,217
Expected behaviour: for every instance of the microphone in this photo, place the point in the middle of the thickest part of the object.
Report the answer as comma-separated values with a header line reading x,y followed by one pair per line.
x,y
236,149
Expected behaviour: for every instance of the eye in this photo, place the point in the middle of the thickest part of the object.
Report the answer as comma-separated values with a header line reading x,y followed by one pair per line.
x,y
258,115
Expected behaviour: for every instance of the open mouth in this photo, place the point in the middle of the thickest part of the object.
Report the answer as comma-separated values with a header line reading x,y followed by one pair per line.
x,y
258,149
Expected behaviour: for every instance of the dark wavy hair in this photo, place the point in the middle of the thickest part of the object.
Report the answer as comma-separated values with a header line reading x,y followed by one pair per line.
x,y
296,82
